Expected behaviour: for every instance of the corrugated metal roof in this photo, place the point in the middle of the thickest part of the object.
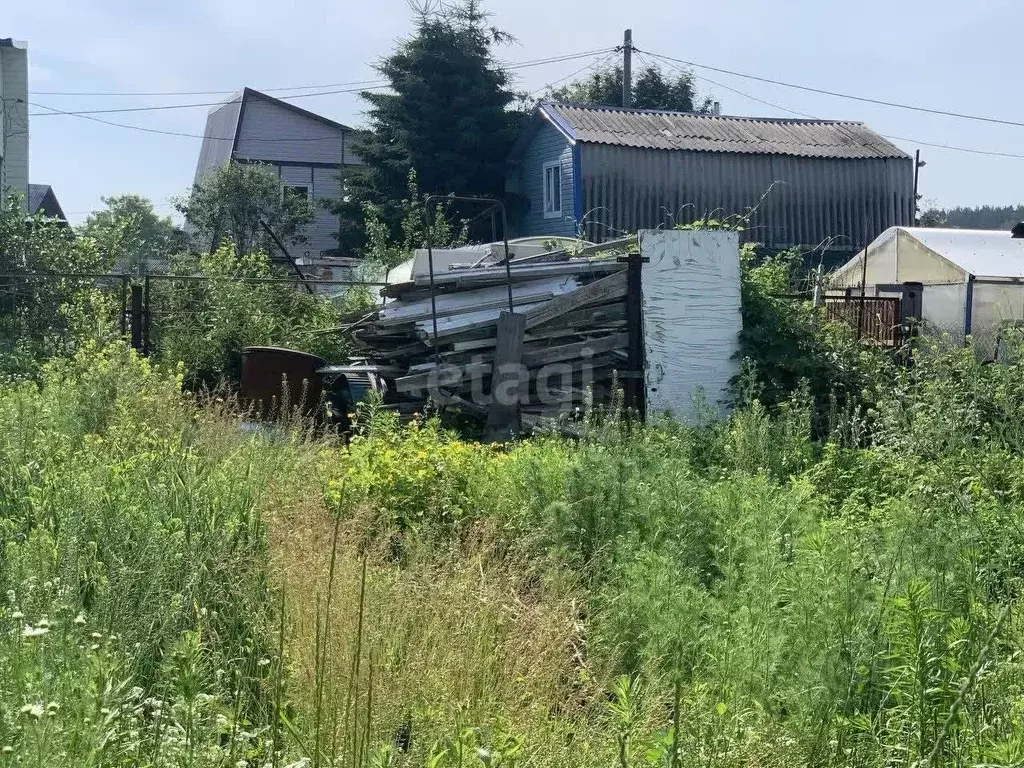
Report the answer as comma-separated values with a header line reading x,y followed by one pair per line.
x,y
648,129
978,252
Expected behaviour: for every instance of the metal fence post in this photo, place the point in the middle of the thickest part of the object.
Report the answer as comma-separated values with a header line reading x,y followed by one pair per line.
x,y
124,306
137,317
635,385
146,313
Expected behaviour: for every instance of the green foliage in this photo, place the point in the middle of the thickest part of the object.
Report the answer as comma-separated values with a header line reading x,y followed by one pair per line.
x,y
385,253
1000,217
206,324
446,116
43,317
133,238
787,344
132,628
733,593
650,90
231,201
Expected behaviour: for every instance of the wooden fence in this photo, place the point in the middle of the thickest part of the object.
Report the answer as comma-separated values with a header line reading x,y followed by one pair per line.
x,y
873,318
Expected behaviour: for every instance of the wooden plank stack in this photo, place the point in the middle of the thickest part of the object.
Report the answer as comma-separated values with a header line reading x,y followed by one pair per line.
x,y
574,334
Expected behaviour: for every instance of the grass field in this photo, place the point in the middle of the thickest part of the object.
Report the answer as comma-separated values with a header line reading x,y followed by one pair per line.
x,y
177,591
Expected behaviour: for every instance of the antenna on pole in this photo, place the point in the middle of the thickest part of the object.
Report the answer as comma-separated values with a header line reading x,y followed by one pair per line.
x,y
627,67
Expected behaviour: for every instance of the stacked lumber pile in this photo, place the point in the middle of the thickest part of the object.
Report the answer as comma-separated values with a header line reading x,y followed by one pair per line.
x,y
570,333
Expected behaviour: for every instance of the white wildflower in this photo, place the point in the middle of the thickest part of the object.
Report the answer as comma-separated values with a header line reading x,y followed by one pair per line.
x,y
263,662
35,710
30,631
80,619
17,615
96,635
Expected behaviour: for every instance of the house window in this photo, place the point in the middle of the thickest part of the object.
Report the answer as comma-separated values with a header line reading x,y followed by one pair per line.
x,y
553,190
300,191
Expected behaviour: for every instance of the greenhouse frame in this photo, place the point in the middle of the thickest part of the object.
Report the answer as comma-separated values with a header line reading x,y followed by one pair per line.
x,y
972,281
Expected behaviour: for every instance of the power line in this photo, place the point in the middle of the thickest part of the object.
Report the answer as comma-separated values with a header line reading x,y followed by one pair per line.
x,y
597,62
738,92
203,93
365,83
935,145
161,107
90,114
991,153
171,133
822,91
555,59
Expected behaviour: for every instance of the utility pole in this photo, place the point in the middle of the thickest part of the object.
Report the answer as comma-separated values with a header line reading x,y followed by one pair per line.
x,y
918,165
627,67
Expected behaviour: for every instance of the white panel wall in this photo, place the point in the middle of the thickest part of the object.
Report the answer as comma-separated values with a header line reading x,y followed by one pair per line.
x,y
691,302
994,306
14,122
942,311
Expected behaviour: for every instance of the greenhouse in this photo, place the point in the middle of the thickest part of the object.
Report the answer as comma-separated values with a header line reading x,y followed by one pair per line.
x,y
971,281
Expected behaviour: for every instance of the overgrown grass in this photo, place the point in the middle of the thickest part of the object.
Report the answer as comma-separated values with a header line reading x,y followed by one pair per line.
x,y
175,590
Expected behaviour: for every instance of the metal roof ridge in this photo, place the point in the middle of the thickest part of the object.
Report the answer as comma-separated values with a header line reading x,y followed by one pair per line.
x,y
704,115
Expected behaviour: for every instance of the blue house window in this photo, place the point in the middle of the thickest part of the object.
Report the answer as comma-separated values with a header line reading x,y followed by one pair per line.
x,y
553,190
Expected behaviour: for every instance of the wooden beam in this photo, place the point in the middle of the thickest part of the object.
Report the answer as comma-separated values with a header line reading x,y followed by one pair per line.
x,y
508,382
606,289
449,375
575,350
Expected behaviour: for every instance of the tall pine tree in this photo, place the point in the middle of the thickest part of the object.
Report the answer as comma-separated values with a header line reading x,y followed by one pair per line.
x,y
446,116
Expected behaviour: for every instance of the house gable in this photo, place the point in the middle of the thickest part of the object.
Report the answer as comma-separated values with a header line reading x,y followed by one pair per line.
x,y
273,131
218,137
547,145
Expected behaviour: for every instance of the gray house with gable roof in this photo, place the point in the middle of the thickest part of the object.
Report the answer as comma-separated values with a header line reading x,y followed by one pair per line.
x,y
309,153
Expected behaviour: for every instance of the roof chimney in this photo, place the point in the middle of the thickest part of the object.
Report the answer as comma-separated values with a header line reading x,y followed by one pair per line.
x,y
1018,230
716,108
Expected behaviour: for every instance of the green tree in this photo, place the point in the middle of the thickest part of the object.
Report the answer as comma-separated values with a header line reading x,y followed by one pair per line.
x,y
44,316
650,90
1001,217
206,324
233,200
132,235
446,117
386,252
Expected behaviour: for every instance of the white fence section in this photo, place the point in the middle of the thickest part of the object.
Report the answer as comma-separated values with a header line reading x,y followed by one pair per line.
x,y
692,320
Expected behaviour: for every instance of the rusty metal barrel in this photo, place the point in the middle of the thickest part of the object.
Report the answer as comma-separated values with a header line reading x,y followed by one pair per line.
x,y
275,378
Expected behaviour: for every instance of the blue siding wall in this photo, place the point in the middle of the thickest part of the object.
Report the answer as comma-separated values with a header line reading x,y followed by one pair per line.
x,y
547,146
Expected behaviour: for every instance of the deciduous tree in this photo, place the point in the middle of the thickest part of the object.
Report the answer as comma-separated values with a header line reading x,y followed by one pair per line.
x,y
232,201
131,233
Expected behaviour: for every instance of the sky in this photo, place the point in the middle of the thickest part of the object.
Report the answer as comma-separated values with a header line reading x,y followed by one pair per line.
x,y
938,54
